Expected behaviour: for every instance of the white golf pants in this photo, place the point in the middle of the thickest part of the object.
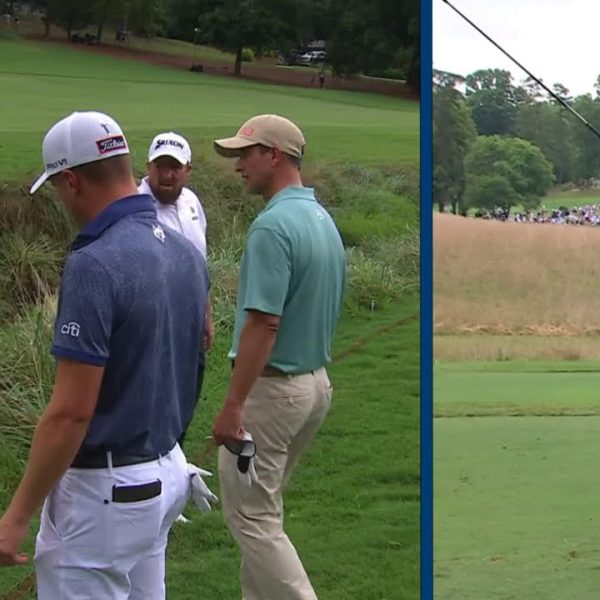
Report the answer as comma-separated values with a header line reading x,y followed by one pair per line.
x,y
91,548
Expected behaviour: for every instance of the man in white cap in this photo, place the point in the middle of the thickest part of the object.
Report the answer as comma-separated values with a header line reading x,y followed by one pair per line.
x,y
104,457
177,207
289,298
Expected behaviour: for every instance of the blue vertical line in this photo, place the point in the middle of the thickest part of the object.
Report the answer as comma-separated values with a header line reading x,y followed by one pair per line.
x,y
426,336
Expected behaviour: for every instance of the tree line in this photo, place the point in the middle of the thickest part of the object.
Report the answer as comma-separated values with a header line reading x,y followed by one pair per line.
x,y
498,143
373,37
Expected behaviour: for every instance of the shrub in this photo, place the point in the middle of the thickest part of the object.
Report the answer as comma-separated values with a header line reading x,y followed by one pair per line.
x,y
247,55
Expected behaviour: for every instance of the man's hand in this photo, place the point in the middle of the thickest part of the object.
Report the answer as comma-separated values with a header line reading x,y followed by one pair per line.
x,y
228,424
12,534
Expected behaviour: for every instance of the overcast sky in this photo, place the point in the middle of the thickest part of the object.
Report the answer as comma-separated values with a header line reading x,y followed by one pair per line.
x,y
557,40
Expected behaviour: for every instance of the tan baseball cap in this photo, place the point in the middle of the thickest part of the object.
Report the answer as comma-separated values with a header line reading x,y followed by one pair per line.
x,y
272,131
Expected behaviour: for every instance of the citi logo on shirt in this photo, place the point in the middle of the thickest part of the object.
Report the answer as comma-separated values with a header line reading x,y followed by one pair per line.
x,y
71,329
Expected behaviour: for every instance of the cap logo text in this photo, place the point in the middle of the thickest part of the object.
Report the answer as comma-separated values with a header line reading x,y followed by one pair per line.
x,y
110,144
57,163
247,131
175,143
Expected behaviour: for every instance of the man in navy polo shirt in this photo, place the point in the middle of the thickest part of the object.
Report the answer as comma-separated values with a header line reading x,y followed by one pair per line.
x,y
128,341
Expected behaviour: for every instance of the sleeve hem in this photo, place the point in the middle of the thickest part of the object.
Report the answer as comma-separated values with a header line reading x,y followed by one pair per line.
x,y
268,310
78,356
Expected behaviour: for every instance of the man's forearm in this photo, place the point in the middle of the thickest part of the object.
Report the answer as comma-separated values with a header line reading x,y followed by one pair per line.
x,y
256,343
209,312
55,443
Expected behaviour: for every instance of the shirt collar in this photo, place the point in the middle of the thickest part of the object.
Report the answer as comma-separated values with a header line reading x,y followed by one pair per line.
x,y
296,192
138,203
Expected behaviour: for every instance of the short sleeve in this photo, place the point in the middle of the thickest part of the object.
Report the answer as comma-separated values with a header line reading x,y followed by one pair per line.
x,y
86,308
268,270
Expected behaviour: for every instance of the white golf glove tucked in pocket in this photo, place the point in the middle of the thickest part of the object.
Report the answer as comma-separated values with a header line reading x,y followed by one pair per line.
x,y
201,495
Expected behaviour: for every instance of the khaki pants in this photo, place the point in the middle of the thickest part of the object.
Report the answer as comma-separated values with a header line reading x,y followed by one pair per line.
x,y
282,414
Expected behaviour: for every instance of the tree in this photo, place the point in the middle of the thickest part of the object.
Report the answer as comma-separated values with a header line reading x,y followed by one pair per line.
x,y
443,79
587,144
493,101
70,14
453,134
490,191
371,36
102,10
546,125
513,160
233,25
146,17
48,7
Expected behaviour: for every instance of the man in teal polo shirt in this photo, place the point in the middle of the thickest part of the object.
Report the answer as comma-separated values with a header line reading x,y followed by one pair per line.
x,y
289,299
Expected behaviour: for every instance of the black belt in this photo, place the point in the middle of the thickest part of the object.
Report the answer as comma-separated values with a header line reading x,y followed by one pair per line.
x,y
98,459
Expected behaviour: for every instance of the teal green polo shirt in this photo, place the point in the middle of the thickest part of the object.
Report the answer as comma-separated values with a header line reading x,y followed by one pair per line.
x,y
293,266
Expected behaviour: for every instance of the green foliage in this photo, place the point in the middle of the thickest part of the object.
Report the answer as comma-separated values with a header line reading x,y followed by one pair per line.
x,y
453,134
587,158
504,171
548,126
493,100
370,37
490,191
236,24
247,55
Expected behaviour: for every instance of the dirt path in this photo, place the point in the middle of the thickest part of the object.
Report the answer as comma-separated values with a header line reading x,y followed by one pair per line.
x,y
268,72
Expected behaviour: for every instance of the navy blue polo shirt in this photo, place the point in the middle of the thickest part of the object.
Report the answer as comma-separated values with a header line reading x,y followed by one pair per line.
x,y
132,299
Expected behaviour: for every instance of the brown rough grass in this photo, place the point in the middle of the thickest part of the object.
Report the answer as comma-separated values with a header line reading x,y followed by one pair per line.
x,y
486,347
515,278
505,291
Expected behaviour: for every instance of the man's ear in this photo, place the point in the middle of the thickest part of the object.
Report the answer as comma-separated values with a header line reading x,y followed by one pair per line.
x,y
277,156
72,180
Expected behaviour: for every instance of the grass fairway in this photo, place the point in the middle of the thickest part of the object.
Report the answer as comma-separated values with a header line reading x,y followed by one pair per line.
x,y
41,83
515,511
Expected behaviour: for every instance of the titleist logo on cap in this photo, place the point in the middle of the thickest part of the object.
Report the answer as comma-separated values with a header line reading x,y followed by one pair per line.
x,y
175,143
112,143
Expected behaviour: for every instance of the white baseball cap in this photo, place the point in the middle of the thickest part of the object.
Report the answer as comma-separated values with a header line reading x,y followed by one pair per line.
x,y
80,138
170,144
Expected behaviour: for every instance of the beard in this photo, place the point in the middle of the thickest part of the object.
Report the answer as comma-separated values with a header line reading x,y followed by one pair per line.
x,y
166,196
